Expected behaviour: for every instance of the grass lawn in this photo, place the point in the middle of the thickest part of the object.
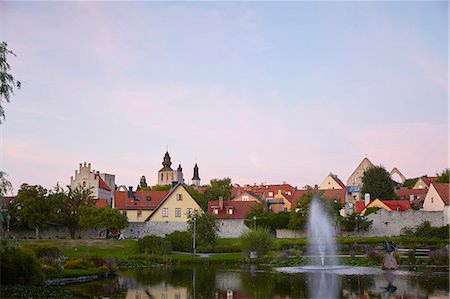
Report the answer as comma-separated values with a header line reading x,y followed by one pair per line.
x,y
75,248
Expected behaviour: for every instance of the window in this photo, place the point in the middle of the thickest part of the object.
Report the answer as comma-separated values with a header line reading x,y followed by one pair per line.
x,y
189,211
230,211
124,212
136,198
177,212
165,212
162,176
139,213
288,193
270,194
179,196
148,198
215,211
84,184
432,200
245,198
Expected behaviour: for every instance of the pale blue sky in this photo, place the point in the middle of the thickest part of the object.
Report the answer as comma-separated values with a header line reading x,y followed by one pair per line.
x,y
256,91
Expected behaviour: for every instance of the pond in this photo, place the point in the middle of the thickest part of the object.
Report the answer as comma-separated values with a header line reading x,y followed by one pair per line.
x,y
227,282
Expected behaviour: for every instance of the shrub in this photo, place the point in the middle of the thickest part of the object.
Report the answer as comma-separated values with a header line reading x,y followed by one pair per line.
x,y
259,240
375,255
439,256
48,250
20,266
153,245
79,263
98,261
180,241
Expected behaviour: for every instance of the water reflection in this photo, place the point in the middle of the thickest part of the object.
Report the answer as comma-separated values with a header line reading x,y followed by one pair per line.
x,y
322,285
179,282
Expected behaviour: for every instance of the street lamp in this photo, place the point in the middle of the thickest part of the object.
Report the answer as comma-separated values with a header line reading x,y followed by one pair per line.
x,y
254,221
193,241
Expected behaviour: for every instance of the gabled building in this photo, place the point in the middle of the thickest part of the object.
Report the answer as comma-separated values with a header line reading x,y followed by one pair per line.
x,y
246,196
230,209
176,206
277,196
101,184
332,182
388,205
437,198
424,182
138,205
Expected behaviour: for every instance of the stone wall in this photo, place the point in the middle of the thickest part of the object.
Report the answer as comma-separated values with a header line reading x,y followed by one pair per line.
x,y
141,229
58,232
231,228
385,223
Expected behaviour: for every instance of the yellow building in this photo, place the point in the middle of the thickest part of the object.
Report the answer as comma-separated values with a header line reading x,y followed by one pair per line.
x,y
175,207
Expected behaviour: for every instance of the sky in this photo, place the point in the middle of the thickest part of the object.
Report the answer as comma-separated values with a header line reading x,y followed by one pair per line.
x,y
255,91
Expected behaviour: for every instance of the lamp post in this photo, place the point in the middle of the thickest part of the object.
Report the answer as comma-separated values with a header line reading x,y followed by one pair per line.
x,y
254,221
193,241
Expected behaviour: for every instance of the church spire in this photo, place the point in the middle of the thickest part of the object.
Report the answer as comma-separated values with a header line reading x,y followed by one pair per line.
x,y
166,161
196,178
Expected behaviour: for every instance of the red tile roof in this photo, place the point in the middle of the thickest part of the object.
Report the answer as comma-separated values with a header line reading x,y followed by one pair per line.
x,y
405,193
359,206
335,194
7,200
443,189
398,204
122,201
265,189
393,204
296,196
240,208
339,182
102,184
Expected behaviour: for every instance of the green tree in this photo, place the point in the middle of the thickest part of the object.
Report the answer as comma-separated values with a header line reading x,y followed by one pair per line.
x,y
70,204
355,222
443,177
5,184
378,183
161,188
299,214
259,240
216,188
33,208
7,80
5,187
206,229
91,216
409,183
194,193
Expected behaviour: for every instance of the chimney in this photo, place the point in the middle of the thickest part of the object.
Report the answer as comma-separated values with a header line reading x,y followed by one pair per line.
x,y
411,198
366,199
130,192
220,203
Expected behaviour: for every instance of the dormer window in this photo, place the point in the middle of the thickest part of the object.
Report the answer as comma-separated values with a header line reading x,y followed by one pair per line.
x,y
288,193
148,198
230,211
215,211
245,198
270,194
136,198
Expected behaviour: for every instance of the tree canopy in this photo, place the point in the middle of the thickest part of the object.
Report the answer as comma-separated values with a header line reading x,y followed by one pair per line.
x,y
378,183
8,83
216,188
443,177
91,216
206,229
33,207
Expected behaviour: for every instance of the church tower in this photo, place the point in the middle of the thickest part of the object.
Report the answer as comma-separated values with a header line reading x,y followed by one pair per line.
x,y
178,176
165,175
196,178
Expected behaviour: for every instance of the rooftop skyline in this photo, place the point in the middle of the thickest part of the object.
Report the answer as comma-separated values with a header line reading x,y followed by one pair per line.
x,y
254,91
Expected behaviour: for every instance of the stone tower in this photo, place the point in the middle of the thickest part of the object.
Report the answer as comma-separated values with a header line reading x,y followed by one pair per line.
x,y
165,175
196,178
178,175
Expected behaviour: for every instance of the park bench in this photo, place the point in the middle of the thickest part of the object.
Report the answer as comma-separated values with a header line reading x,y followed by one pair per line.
x,y
418,252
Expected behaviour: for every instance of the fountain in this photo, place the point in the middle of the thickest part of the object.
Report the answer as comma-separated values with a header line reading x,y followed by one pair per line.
x,y
323,269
